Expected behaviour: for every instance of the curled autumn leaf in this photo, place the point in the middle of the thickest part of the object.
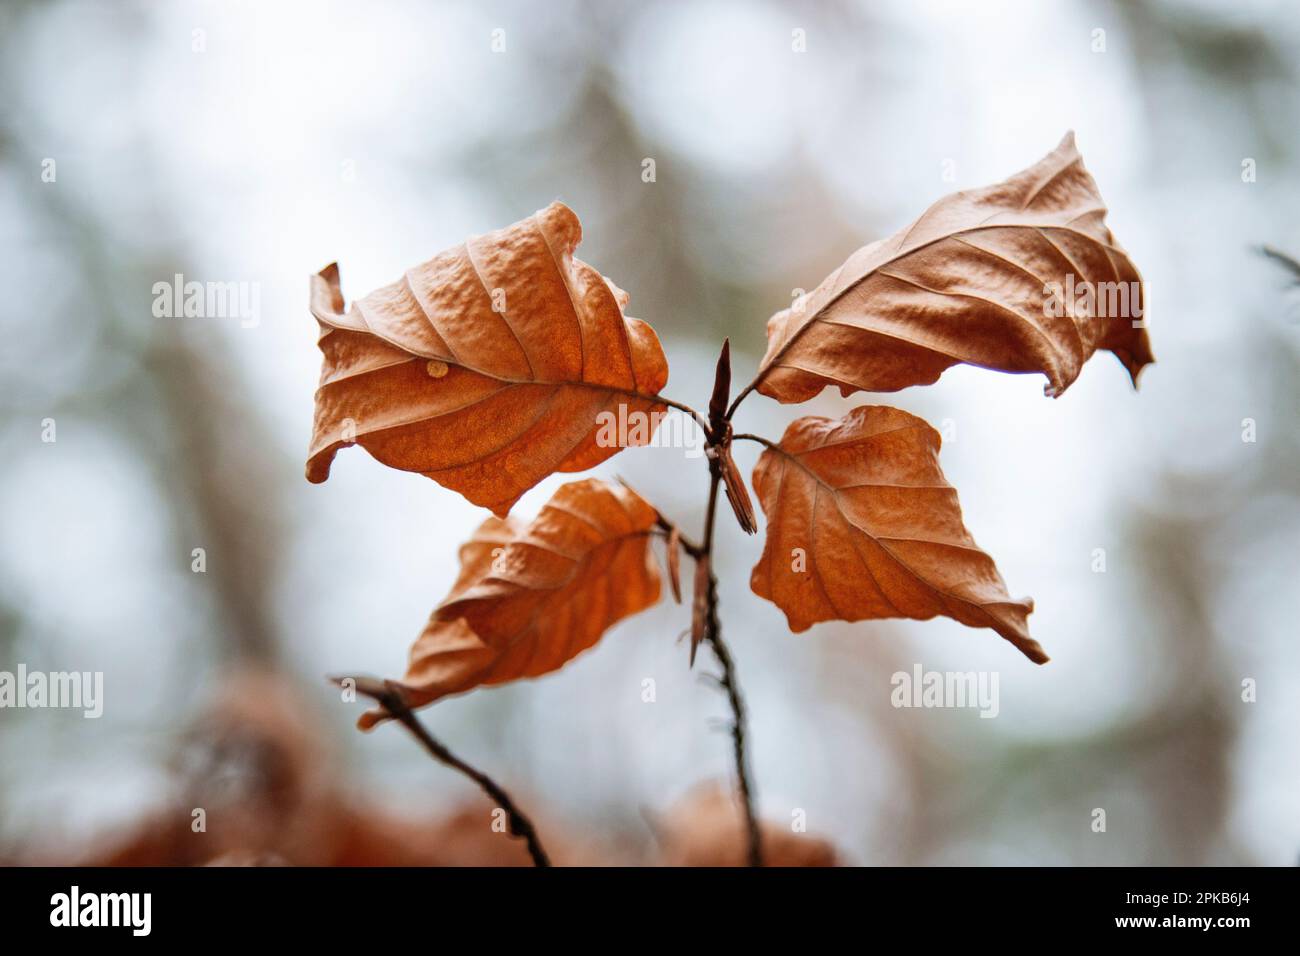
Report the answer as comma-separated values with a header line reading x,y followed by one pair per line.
x,y
1022,276
532,596
487,368
862,525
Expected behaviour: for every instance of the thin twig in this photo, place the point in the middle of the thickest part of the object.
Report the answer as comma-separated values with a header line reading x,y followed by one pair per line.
x,y
740,397
689,546
732,687
668,527
729,681
718,432
391,700
683,407
745,436
1281,258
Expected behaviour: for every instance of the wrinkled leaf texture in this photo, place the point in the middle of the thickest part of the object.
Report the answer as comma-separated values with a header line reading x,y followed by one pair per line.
x,y
531,596
862,525
485,368
969,282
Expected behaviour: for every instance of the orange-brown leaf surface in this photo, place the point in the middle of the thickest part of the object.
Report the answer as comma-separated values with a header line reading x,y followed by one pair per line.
x,y
487,367
531,597
997,277
861,525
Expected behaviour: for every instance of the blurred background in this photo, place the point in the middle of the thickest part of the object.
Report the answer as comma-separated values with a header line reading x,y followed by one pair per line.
x,y
256,143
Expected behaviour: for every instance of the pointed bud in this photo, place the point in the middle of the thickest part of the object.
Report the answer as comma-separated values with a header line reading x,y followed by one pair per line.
x,y
721,392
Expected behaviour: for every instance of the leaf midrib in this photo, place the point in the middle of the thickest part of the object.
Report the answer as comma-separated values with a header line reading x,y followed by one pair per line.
x,y
769,364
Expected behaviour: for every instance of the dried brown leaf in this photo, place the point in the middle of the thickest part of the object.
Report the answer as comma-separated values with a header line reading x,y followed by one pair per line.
x,y
485,368
862,525
531,597
970,281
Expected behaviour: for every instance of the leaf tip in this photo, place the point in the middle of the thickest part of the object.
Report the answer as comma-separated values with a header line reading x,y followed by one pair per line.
x,y
565,221
318,466
325,293
721,391
500,509
1033,650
